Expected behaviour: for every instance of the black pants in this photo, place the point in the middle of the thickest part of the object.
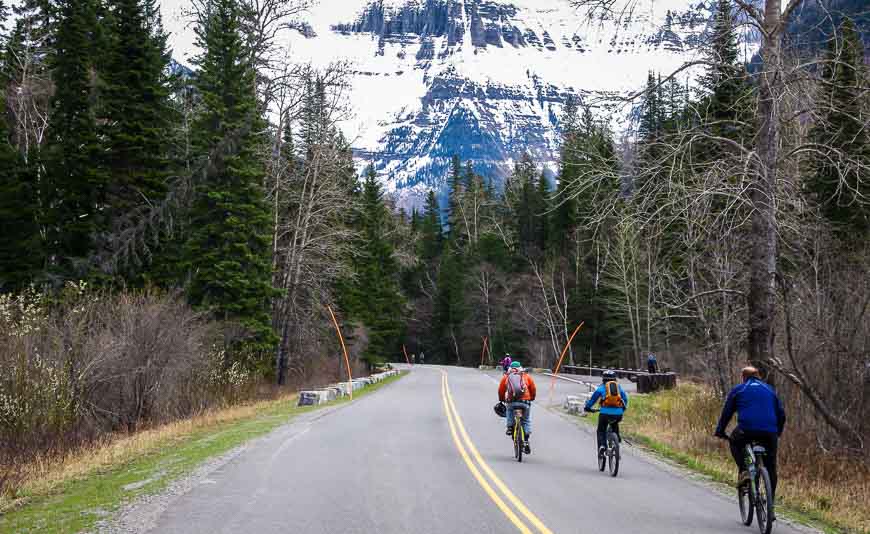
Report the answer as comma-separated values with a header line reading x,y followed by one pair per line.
x,y
651,367
603,419
768,440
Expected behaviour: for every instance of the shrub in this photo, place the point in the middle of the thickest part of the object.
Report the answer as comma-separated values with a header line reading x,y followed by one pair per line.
x,y
83,364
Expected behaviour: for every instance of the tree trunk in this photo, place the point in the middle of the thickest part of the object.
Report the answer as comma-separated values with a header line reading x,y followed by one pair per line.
x,y
282,355
762,263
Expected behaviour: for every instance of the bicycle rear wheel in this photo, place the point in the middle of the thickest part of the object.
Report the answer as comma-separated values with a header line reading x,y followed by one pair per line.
x,y
747,510
518,441
613,454
764,502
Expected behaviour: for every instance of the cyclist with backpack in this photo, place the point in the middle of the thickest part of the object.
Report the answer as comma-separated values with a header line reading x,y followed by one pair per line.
x,y
614,402
517,389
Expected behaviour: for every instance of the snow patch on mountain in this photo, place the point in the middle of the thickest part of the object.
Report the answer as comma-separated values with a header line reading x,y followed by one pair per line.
x,y
484,79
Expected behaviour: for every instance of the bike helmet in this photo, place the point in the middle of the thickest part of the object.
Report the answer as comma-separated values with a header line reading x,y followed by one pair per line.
x,y
608,375
515,365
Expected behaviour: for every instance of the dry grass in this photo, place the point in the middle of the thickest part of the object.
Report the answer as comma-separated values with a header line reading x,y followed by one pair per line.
x,y
827,486
47,473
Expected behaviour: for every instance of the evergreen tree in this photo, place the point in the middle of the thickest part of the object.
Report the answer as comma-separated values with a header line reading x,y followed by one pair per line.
x,y
20,242
430,231
137,113
377,298
724,88
451,307
75,185
835,178
415,221
564,218
524,205
542,197
228,251
650,125
455,230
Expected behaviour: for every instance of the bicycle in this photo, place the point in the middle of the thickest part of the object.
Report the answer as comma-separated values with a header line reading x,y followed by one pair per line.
x,y
519,434
611,456
754,495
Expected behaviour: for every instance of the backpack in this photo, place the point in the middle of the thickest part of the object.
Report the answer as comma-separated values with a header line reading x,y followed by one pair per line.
x,y
516,386
612,398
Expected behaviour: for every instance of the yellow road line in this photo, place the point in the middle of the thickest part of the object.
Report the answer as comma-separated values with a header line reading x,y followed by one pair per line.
x,y
474,471
496,480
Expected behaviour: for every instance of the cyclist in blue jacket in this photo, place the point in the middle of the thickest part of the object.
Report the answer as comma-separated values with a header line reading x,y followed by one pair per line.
x,y
760,419
612,408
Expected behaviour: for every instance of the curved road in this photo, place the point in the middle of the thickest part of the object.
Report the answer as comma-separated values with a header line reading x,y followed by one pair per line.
x,y
427,455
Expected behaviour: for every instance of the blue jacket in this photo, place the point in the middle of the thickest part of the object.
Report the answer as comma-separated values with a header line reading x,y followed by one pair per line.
x,y
607,410
758,408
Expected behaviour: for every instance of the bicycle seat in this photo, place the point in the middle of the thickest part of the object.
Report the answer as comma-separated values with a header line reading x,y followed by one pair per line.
x,y
758,449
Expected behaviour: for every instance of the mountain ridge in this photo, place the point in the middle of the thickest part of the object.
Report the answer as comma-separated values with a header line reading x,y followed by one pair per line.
x,y
485,80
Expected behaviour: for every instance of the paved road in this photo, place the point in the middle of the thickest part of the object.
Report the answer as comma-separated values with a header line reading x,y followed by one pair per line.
x,y
394,462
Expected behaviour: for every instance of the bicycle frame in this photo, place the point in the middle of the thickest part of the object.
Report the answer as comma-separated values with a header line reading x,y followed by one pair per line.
x,y
754,495
518,422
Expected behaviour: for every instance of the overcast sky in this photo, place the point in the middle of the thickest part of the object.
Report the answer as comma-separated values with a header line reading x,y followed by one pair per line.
x,y
181,37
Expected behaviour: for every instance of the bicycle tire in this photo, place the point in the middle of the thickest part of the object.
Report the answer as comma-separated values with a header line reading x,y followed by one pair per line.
x,y
518,441
613,454
763,501
745,502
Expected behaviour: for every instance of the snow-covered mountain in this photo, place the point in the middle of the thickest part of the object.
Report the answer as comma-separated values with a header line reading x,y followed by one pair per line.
x,y
483,79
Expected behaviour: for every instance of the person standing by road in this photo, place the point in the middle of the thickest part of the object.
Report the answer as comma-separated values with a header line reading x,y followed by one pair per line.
x,y
652,363
760,419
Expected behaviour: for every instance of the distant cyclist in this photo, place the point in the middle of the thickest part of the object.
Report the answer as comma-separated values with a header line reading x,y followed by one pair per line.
x,y
760,419
505,363
614,401
517,389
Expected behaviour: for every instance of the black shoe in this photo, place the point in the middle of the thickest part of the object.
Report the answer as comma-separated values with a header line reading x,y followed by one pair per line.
x,y
601,452
526,448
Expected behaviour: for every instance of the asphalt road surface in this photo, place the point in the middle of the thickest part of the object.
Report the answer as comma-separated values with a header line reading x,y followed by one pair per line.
x,y
428,455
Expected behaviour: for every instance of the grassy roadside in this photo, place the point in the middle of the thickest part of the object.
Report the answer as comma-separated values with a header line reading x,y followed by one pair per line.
x,y
678,424
95,483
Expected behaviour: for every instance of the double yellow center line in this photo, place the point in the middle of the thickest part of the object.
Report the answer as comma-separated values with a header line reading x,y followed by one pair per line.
x,y
464,445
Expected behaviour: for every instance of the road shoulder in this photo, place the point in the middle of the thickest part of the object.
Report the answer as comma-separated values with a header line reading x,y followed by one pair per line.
x,y
100,499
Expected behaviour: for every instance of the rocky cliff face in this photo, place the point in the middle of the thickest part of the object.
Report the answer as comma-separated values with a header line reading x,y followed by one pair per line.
x,y
483,79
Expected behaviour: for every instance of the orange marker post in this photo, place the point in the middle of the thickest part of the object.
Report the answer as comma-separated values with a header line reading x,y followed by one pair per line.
x,y
344,349
406,355
562,357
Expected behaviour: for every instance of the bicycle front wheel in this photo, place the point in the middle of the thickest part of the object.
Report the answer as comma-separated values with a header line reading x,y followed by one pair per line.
x,y
613,454
747,510
764,502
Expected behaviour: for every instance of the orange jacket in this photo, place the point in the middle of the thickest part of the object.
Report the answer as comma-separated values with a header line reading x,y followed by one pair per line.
x,y
529,395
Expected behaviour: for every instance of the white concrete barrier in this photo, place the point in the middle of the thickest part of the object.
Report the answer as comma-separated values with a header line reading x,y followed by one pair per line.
x,y
309,398
315,397
575,403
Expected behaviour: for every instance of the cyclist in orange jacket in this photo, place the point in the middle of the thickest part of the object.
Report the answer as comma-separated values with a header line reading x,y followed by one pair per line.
x,y
517,389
